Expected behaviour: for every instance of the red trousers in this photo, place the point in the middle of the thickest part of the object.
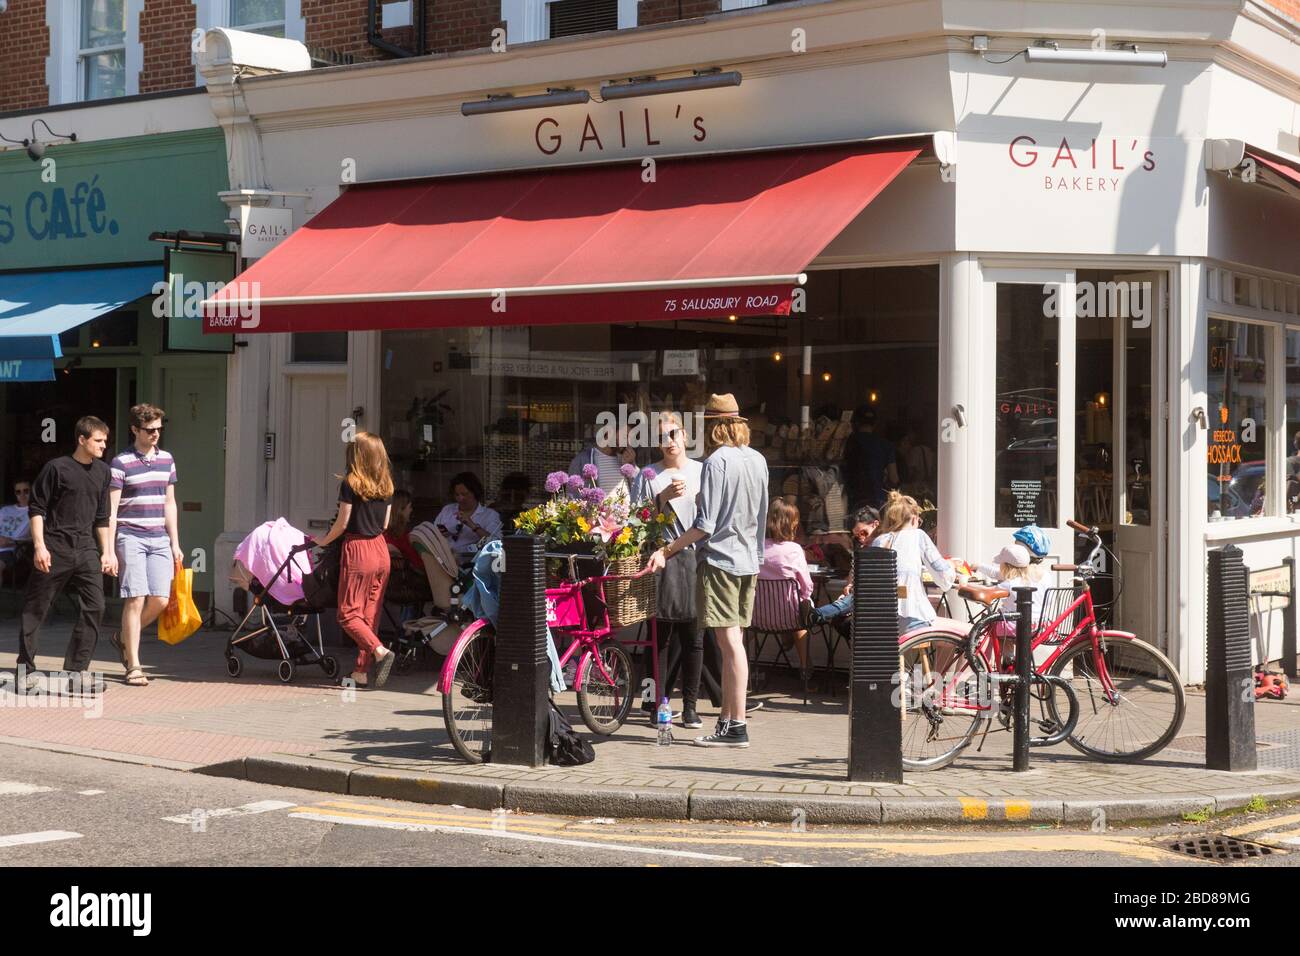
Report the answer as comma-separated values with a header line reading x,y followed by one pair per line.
x,y
363,572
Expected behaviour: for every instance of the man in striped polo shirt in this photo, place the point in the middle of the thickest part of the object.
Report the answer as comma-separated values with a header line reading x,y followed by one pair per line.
x,y
144,527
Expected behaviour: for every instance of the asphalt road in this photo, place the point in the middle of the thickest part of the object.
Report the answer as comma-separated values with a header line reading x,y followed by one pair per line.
x,y
86,811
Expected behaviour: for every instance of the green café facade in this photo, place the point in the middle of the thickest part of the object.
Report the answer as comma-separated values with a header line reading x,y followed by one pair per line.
x,y
80,331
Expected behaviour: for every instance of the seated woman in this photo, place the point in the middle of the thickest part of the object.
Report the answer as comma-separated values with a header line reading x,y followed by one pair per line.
x,y
407,583
783,559
467,522
900,530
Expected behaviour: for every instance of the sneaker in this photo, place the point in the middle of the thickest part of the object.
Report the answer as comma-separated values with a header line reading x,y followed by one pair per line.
x,y
729,733
691,720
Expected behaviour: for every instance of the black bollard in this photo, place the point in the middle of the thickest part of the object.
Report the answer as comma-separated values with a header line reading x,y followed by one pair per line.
x,y
1024,667
1229,677
521,679
1288,623
875,730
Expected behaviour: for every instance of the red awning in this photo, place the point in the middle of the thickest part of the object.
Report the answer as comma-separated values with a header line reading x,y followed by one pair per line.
x,y
1290,172
706,236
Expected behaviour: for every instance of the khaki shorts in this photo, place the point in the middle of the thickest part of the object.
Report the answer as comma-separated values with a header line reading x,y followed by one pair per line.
x,y
722,599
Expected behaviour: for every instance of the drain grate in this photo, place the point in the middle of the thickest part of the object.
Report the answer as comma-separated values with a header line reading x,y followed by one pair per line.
x,y
1224,848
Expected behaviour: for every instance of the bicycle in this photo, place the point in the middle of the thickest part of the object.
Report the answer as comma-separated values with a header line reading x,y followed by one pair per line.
x,y
605,679
1107,693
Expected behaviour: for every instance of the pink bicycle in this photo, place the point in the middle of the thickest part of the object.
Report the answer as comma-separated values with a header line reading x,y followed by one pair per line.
x,y
605,679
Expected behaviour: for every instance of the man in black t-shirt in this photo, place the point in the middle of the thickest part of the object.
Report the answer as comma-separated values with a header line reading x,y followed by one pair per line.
x,y
69,525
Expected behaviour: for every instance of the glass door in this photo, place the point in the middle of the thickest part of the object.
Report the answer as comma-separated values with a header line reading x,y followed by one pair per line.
x,y
1029,357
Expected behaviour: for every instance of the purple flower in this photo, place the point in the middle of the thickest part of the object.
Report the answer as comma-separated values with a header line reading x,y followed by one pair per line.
x,y
575,482
588,471
628,472
555,481
593,496
648,474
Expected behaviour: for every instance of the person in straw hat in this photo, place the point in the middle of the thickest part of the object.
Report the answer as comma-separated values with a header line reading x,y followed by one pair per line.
x,y
730,516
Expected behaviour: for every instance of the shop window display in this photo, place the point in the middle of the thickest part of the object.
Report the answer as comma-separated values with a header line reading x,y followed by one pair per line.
x,y
1237,392
1292,464
514,404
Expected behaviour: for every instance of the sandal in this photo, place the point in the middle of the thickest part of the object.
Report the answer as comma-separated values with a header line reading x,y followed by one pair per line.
x,y
135,677
384,667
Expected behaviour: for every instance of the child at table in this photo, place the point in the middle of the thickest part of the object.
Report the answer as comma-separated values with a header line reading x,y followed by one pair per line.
x,y
783,559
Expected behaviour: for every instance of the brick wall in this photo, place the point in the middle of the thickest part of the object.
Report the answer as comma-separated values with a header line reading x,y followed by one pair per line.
x,y
24,45
166,28
340,27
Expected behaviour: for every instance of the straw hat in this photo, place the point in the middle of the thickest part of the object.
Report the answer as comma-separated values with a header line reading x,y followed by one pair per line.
x,y
723,406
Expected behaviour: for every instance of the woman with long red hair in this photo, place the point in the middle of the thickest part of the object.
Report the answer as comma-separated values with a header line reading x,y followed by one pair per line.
x,y
365,505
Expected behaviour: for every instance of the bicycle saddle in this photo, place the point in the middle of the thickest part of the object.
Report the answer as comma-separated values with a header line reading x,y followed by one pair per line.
x,y
984,595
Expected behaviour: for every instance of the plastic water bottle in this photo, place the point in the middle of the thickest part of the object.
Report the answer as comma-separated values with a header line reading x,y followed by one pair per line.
x,y
664,723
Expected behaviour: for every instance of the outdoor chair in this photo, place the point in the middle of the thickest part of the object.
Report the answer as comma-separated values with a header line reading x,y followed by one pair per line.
x,y
776,615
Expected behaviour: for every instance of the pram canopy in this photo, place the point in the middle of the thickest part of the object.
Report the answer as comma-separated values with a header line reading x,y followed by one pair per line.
x,y
264,551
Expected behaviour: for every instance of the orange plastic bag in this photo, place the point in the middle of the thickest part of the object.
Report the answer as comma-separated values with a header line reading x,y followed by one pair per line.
x,y
180,618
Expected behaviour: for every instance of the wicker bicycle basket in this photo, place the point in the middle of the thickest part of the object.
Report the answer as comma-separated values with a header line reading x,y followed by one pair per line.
x,y
630,601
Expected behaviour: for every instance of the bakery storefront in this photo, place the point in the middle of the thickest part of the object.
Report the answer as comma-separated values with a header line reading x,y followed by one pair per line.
x,y
1049,304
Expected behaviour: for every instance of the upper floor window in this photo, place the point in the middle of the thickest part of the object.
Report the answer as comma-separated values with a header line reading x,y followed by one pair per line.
x,y
258,16
573,17
101,55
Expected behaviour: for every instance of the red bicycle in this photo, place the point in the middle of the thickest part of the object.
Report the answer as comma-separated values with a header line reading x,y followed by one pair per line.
x,y
604,678
1110,695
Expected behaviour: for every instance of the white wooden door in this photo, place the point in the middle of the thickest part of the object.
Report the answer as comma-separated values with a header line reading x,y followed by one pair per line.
x,y
315,448
1139,458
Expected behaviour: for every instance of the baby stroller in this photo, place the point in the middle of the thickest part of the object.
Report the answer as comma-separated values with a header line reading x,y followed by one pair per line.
x,y
277,631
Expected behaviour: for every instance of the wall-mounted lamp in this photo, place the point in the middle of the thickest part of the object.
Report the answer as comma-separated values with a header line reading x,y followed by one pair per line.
x,y
826,376
709,79
35,148
508,102
872,397
777,356
1048,51
1102,399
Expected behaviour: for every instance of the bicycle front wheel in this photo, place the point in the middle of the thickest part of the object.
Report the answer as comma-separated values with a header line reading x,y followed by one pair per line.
x,y
605,692
1131,700
941,695
467,701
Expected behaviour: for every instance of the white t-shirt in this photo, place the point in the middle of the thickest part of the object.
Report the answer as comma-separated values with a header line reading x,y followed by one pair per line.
x,y
14,524
609,467
464,540
684,504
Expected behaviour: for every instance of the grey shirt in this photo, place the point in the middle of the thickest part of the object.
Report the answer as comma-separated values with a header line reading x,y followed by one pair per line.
x,y
732,510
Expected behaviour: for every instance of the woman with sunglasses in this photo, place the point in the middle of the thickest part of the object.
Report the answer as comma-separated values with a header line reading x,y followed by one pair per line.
x,y
674,487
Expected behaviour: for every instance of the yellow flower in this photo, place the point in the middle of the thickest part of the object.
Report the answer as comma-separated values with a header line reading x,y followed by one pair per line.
x,y
625,536
582,523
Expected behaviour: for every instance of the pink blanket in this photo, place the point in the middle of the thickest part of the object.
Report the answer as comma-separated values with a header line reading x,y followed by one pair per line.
x,y
266,548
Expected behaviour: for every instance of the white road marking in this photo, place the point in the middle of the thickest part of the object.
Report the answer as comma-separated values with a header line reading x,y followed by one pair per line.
x,y
11,788
262,806
91,793
45,836
507,835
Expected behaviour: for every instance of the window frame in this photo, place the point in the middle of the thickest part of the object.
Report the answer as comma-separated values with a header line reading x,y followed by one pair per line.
x,y
1274,344
528,21
283,24
84,52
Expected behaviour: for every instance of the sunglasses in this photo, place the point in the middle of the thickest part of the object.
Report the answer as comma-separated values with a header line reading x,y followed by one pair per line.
x,y
669,437
149,431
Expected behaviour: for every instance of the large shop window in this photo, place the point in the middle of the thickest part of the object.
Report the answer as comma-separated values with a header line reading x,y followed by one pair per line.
x,y
1292,475
1237,389
512,404
1025,464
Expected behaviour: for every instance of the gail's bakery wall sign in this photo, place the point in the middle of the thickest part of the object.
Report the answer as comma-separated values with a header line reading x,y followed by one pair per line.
x,y
1094,165
625,129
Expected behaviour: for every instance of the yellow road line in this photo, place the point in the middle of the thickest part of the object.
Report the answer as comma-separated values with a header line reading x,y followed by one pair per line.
x,y
916,846
974,809
1272,824
1017,809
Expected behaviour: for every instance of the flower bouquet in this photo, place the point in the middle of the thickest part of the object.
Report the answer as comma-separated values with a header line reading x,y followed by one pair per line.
x,y
580,516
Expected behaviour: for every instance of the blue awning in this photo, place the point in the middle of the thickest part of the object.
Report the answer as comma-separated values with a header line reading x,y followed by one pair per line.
x,y
36,307
26,370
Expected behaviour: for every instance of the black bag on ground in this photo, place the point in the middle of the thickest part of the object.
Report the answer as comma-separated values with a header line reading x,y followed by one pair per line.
x,y
320,588
564,747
